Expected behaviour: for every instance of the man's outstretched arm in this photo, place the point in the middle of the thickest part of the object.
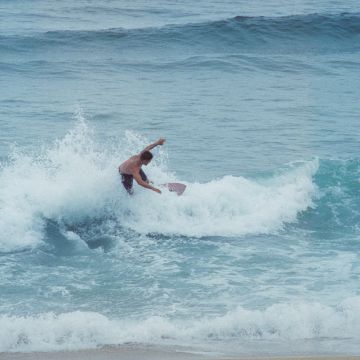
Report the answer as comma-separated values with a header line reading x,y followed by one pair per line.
x,y
151,146
143,183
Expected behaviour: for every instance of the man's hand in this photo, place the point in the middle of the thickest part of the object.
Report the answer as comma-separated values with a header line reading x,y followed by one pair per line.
x,y
150,147
161,141
157,190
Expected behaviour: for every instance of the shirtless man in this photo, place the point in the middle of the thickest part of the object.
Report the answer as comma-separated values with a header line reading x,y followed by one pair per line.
x,y
131,169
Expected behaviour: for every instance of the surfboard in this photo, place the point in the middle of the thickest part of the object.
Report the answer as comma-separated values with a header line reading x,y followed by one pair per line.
x,y
175,187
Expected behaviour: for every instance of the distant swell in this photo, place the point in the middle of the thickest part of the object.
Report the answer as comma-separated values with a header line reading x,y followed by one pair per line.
x,y
293,33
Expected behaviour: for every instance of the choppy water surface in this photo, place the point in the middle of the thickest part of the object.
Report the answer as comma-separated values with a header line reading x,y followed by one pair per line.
x,y
258,103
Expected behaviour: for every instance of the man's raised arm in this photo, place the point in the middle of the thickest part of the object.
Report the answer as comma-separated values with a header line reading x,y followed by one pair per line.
x,y
151,146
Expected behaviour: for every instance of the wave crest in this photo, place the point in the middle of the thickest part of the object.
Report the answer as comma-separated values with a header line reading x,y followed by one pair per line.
x,y
287,322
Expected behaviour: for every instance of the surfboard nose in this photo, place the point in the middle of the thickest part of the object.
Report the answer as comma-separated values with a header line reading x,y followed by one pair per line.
x,y
176,187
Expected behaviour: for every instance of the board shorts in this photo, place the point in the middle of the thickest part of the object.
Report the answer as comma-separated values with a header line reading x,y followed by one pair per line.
x,y
128,180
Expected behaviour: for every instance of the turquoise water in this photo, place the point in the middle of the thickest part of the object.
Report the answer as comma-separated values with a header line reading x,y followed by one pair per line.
x,y
258,103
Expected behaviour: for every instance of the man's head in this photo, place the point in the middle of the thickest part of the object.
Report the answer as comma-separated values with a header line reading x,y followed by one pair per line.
x,y
146,157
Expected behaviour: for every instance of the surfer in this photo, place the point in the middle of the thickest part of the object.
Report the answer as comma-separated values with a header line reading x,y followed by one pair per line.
x,y
131,169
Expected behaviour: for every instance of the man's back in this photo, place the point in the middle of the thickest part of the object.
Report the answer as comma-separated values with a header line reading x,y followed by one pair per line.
x,y
130,165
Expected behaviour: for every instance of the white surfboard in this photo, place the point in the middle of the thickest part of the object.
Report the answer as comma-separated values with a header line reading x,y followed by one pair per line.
x,y
175,187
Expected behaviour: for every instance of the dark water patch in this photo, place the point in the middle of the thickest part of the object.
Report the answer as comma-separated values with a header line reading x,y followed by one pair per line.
x,y
96,233
58,243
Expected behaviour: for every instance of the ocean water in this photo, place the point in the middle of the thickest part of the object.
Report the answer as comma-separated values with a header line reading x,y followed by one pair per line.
x,y
259,103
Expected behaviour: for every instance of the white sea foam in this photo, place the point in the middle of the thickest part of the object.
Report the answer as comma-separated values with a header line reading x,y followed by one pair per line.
x,y
284,322
76,179
68,180
228,206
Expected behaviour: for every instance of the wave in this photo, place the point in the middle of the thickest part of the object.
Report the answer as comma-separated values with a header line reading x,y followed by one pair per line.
x,y
74,183
286,323
312,32
338,199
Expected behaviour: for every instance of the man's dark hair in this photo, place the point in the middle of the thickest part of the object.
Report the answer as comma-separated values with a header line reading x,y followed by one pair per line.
x,y
146,155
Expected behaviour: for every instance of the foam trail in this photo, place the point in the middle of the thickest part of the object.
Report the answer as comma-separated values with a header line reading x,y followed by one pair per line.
x,y
229,206
285,322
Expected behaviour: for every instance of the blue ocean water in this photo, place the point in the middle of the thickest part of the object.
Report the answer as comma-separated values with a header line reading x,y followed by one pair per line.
x,y
259,105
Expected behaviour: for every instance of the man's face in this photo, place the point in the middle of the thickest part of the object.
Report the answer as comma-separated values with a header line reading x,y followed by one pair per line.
x,y
145,162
